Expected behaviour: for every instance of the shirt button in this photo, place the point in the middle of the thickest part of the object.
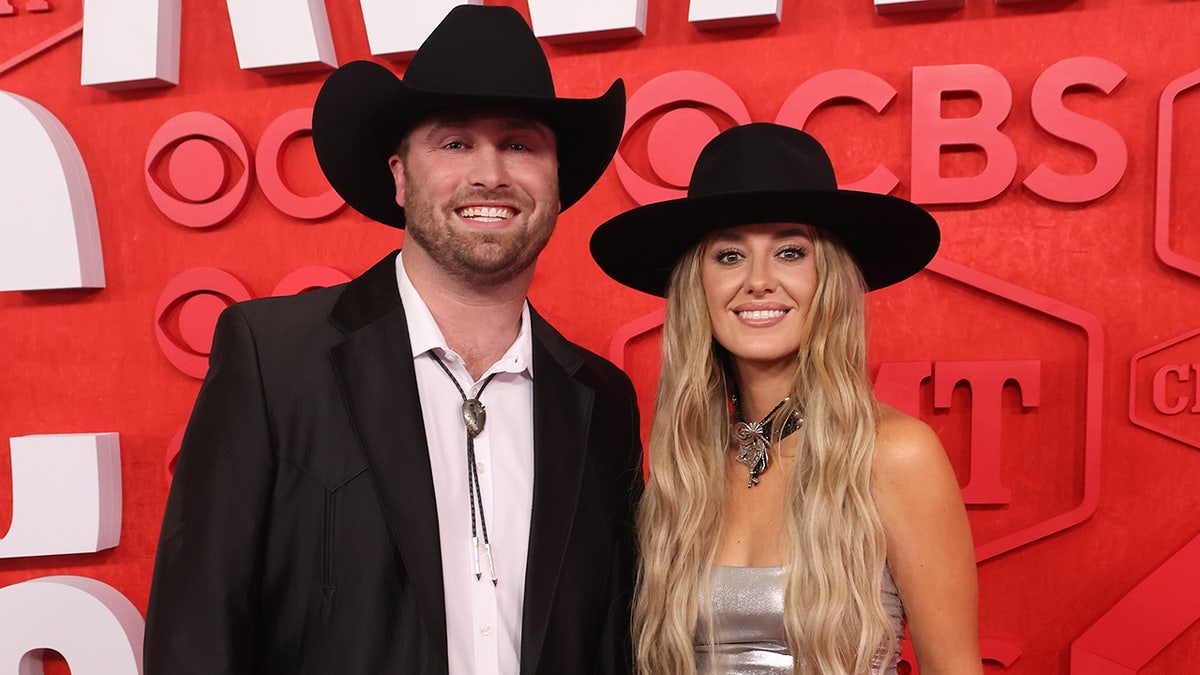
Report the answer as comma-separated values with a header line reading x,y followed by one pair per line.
x,y
480,467
485,630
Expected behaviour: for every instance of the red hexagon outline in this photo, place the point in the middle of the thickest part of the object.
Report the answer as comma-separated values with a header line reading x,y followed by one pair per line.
x,y
1093,401
1162,179
1133,364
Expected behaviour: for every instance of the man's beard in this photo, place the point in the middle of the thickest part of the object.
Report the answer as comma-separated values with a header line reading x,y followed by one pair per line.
x,y
479,257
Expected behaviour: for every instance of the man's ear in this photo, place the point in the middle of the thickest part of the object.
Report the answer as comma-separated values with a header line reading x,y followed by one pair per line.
x,y
397,166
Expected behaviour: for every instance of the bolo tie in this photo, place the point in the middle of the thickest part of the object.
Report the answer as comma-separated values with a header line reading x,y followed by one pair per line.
x,y
474,415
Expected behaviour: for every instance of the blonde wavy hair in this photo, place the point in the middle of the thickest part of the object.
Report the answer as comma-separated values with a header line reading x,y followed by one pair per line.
x,y
833,612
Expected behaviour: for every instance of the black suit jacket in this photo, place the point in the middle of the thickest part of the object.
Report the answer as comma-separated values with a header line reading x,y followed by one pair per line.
x,y
301,532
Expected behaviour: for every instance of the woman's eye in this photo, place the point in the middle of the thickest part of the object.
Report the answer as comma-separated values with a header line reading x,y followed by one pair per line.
x,y
727,257
793,253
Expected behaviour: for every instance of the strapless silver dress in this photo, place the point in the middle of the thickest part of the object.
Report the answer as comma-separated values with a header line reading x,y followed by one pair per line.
x,y
749,635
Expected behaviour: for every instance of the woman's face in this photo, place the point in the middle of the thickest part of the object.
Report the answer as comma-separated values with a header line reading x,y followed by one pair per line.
x,y
759,281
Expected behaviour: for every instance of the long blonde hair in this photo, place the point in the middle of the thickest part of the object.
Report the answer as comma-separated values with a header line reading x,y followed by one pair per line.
x,y
833,610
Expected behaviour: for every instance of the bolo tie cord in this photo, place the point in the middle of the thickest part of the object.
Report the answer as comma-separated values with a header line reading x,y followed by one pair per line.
x,y
474,417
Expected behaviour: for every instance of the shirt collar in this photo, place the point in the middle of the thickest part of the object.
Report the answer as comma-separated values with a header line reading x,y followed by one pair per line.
x,y
425,335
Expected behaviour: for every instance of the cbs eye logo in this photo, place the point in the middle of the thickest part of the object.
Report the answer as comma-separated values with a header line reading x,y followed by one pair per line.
x,y
673,116
188,307
668,121
198,168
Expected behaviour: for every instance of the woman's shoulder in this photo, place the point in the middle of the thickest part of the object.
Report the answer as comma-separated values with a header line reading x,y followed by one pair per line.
x,y
905,446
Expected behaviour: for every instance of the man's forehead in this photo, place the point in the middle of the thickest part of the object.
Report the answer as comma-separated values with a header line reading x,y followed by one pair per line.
x,y
504,120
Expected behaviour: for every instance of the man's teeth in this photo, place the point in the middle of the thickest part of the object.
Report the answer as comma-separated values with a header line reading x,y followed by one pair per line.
x,y
486,213
756,314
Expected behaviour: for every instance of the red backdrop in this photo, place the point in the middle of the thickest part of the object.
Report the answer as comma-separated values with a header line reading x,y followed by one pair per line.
x,y
1053,344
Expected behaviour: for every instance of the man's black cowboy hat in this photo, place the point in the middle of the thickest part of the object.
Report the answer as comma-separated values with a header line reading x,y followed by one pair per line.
x,y
766,173
479,59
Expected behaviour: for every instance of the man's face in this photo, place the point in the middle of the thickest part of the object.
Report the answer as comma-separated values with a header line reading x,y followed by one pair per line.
x,y
480,193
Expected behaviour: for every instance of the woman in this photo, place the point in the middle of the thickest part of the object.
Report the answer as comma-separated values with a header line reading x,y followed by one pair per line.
x,y
790,521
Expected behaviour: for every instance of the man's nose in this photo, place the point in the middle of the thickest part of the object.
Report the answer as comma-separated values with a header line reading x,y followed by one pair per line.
x,y
488,168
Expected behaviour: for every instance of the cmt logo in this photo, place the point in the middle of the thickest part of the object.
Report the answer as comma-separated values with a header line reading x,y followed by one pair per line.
x,y
1164,388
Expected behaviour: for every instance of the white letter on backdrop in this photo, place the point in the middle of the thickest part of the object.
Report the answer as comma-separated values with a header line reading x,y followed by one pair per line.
x,y
49,237
889,6
95,628
577,20
398,27
708,14
281,35
130,43
66,495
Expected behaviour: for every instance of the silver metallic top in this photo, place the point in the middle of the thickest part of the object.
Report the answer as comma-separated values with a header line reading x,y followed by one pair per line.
x,y
749,637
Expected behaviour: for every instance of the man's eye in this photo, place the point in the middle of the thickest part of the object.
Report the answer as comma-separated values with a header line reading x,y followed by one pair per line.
x,y
519,147
454,145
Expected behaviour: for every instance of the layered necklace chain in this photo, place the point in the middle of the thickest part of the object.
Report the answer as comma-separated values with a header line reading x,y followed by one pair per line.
x,y
754,438
474,416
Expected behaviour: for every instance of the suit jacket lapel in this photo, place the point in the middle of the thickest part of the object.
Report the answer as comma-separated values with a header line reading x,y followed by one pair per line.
x,y
375,370
562,410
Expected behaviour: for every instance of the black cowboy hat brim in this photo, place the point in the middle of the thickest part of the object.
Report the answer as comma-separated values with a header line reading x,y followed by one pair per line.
x,y
891,239
363,111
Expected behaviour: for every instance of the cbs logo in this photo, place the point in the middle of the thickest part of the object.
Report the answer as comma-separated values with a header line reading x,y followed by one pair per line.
x,y
198,168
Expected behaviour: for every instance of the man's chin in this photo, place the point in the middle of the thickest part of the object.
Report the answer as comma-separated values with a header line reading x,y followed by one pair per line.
x,y
481,268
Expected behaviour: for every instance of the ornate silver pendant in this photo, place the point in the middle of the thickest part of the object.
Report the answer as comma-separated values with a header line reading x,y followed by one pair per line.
x,y
474,416
752,448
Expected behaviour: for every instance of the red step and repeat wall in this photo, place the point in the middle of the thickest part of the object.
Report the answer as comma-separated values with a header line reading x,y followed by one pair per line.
x,y
156,165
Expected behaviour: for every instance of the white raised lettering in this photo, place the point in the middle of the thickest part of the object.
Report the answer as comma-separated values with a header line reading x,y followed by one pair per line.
x,y
97,630
577,20
49,237
281,35
130,43
710,14
396,28
66,495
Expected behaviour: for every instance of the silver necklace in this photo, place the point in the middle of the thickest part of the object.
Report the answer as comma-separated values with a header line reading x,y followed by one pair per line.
x,y
754,438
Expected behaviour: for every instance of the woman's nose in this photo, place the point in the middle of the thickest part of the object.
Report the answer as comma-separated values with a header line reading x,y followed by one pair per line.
x,y
760,277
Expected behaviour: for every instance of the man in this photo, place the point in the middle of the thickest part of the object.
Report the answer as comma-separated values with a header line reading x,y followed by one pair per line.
x,y
413,472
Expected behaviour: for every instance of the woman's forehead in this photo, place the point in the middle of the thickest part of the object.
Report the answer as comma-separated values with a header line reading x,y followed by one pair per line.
x,y
772,230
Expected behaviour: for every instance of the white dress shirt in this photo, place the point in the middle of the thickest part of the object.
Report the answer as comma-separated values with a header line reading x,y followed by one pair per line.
x,y
483,622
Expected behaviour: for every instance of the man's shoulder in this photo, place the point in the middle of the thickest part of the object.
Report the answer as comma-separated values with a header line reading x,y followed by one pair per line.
x,y
372,291
304,306
585,365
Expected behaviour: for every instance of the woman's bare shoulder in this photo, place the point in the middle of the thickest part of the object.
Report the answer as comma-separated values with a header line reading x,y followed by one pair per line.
x,y
906,445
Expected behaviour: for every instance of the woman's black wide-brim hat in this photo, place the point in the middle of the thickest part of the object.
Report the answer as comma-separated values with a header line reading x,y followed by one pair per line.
x,y
765,173
479,59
